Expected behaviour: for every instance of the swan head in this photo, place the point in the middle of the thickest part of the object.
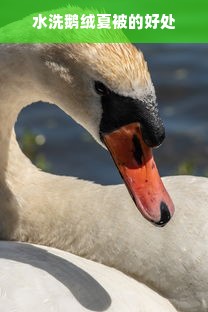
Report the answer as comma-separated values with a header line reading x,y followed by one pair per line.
x,y
112,96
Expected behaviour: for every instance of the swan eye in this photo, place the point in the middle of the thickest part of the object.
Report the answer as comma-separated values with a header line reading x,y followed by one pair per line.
x,y
100,88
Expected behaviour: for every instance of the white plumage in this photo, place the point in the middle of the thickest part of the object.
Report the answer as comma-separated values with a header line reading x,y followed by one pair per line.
x,y
44,279
93,221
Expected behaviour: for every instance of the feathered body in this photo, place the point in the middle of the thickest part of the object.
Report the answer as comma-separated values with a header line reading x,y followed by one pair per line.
x,y
93,221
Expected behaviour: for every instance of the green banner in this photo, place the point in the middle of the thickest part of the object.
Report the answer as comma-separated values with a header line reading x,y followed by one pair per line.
x,y
58,21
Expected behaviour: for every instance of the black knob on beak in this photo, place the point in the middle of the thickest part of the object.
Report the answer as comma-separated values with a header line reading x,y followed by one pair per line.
x,y
153,134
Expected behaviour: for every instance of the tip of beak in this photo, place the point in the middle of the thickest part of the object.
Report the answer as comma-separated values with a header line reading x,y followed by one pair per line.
x,y
165,215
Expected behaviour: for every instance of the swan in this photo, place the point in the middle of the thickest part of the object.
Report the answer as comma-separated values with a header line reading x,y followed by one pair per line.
x,y
38,278
98,222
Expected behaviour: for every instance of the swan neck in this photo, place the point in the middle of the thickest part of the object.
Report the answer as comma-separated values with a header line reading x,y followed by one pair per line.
x,y
17,90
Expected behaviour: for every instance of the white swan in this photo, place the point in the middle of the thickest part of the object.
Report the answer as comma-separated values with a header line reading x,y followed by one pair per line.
x,y
94,221
37,278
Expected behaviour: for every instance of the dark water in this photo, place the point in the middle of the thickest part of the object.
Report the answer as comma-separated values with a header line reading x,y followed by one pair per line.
x,y
180,76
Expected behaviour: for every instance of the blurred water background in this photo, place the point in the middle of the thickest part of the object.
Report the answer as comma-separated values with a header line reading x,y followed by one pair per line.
x,y
180,75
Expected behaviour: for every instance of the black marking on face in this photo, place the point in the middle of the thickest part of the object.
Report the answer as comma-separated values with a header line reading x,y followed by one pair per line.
x,y
119,111
137,150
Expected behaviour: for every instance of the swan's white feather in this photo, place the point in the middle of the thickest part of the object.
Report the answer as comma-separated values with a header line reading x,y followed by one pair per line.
x,y
94,221
36,278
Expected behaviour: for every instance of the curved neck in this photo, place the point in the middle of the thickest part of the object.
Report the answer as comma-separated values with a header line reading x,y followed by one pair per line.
x,y
19,87
46,72
28,197
26,77
34,205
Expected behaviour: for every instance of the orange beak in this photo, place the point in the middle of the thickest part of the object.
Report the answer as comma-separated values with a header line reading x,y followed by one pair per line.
x,y
136,165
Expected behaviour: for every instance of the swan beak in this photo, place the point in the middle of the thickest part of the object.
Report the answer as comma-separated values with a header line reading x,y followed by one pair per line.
x,y
136,165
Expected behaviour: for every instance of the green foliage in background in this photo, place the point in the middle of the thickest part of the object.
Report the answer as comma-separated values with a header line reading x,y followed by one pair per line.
x,y
189,167
31,145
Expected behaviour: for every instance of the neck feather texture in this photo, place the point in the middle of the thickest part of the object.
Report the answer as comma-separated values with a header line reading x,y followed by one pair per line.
x,y
23,187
